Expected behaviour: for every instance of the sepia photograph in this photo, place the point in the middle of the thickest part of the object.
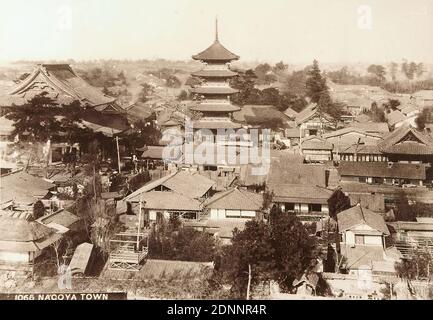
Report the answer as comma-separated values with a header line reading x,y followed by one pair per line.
x,y
220,156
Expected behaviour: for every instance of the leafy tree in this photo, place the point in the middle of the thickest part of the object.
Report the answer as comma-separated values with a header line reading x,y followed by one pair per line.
x,y
424,117
404,211
280,250
38,210
337,203
378,71
183,95
173,82
145,93
393,67
41,119
295,83
280,67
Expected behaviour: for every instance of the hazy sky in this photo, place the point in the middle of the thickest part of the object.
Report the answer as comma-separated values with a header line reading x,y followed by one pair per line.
x,y
295,31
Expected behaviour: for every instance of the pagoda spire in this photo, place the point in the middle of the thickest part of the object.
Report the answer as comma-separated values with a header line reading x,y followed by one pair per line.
x,y
216,29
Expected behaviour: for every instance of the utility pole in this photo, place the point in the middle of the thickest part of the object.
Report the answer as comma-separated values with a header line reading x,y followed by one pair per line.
x,y
118,153
249,282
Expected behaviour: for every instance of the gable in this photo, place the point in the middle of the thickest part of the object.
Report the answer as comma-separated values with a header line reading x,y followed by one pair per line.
x,y
410,136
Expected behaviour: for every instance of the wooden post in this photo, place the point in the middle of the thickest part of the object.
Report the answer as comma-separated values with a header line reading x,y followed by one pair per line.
x,y
249,282
139,221
118,153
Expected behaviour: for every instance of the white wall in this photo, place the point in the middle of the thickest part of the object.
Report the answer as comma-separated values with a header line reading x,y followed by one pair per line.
x,y
223,213
15,257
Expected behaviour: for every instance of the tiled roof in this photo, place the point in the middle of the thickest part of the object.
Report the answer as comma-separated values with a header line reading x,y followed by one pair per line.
x,y
360,149
235,199
259,114
316,143
362,256
63,218
22,187
215,73
289,112
209,124
65,85
296,193
382,170
395,117
305,114
20,230
407,140
357,215
169,200
347,130
207,107
192,185
283,171
216,52
375,202
214,90
374,127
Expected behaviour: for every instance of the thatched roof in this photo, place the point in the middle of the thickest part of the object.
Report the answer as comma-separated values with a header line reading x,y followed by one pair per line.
x,y
23,236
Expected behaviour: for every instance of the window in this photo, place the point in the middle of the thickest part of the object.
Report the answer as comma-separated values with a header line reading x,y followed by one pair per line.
x,y
289,206
314,207
359,239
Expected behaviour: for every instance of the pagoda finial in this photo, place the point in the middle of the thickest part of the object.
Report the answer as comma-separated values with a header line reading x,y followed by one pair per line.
x,y
216,28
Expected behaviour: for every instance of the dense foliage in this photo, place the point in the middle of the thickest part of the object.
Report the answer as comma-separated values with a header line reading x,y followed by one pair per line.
x,y
171,241
280,250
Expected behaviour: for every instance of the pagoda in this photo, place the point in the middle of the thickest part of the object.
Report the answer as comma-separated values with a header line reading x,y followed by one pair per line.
x,y
214,90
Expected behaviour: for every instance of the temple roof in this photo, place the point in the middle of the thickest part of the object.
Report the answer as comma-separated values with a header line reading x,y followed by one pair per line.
x,y
216,52
214,90
215,73
207,107
62,84
210,124
407,140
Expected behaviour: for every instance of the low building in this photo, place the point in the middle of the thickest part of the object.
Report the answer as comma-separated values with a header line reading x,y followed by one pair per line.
x,y
382,173
406,144
22,241
370,127
181,193
350,136
316,149
359,153
311,121
363,247
234,203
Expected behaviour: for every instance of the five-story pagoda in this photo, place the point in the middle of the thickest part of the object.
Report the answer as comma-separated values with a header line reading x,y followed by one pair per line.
x,y
214,90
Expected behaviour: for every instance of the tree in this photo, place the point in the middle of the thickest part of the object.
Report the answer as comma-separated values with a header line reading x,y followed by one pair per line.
x,y
38,210
183,95
145,93
280,67
337,203
393,70
378,71
316,83
279,250
423,118
404,211
295,83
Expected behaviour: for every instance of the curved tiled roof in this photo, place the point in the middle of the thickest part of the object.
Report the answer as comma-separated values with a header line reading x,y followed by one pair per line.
x,y
214,90
60,81
215,73
216,52
407,140
207,107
